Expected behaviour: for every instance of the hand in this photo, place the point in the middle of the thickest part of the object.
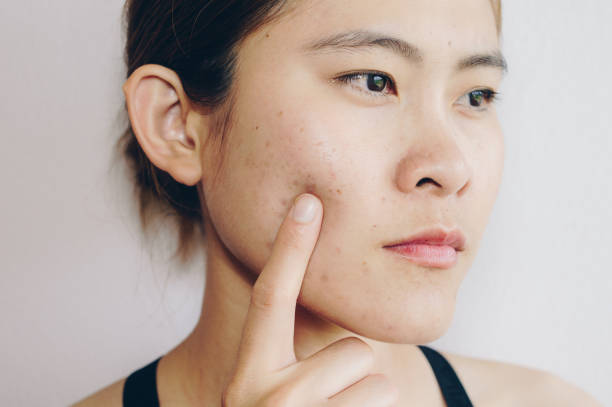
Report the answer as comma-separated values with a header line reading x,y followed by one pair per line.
x,y
267,372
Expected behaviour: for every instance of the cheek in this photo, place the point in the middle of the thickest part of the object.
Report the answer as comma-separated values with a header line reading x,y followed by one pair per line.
x,y
273,156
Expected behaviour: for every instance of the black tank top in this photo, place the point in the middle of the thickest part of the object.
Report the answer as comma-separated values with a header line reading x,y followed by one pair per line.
x,y
140,388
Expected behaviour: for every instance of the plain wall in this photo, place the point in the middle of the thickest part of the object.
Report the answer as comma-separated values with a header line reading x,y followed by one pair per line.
x,y
83,303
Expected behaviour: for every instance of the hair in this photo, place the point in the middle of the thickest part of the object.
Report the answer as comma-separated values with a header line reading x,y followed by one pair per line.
x,y
199,40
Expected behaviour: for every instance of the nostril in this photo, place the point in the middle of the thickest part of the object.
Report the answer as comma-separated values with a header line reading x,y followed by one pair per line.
x,y
424,180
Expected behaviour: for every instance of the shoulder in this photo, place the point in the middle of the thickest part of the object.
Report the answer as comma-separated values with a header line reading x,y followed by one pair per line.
x,y
110,396
495,383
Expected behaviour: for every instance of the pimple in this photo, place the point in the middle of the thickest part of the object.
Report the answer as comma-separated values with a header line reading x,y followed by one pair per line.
x,y
280,113
365,268
284,202
339,192
383,199
374,226
338,249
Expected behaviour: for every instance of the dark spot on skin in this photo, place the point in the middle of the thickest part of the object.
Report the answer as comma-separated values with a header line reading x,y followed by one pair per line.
x,y
267,35
365,268
284,202
324,277
339,192
280,113
310,188
256,127
373,226
302,130
267,144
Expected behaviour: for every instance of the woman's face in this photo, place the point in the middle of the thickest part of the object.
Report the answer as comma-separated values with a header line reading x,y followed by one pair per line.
x,y
388,158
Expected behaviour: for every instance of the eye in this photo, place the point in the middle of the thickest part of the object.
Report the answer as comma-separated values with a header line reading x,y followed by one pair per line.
x,y
370,82
478,99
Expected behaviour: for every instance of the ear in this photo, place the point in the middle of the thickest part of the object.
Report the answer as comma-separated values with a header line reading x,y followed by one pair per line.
x,y
166,126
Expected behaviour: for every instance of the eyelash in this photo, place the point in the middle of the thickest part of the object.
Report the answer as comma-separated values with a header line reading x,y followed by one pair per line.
x,y
490,96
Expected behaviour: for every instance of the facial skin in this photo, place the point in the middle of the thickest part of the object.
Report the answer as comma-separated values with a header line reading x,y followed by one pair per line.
x,y
363,154
385,165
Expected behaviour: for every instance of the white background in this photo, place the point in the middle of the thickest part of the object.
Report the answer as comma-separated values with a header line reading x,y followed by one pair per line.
x,y
82,305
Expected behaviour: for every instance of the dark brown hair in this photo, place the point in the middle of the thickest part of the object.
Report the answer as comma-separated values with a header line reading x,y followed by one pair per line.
x,y
198,39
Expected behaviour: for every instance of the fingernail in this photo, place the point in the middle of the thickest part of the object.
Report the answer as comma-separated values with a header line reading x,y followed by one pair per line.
x,y
304,209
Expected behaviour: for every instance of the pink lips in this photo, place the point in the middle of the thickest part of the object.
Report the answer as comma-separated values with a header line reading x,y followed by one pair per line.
x,y
431,248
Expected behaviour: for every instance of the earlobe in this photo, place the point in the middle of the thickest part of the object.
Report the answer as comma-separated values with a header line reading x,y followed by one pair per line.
x,y
159,111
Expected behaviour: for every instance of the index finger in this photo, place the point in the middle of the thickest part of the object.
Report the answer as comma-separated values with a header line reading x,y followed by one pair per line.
x,y
267,337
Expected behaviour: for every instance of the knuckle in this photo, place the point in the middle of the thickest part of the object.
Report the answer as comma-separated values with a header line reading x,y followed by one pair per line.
x,y
291,239
359,348
265,296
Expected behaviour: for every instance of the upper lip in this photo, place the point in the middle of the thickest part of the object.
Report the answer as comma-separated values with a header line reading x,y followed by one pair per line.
x,y
435,236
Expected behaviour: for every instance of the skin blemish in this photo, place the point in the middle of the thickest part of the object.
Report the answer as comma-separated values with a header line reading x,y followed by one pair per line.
x,y
324,277
267,35
365,269
280,113
450,43
339,192
338,250
383,199
267,144
302,130
374,226
310,188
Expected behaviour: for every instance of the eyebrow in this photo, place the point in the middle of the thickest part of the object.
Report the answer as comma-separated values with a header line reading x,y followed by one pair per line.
x,y
364,39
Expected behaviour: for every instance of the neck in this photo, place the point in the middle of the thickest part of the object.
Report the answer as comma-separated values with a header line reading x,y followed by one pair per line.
x,y
200,367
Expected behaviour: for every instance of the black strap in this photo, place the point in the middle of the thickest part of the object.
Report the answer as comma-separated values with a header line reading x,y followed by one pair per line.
x,y
452,389
140,389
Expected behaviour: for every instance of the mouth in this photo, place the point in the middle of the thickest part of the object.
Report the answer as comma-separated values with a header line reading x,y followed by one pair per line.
x,y
431,248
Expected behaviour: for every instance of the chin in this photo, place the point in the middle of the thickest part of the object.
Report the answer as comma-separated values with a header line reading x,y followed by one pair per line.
x,y
418,319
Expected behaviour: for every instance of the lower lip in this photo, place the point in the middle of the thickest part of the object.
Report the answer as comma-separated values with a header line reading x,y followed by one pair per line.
x,y
428,255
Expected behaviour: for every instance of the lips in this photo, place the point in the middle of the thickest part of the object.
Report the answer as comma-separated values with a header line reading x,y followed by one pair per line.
x,y
431,248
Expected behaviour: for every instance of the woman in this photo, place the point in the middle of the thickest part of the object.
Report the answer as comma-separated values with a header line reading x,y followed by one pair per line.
x,y
383,115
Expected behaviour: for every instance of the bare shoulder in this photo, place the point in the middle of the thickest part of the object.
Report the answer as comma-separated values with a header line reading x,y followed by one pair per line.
x,y
495,383
109,396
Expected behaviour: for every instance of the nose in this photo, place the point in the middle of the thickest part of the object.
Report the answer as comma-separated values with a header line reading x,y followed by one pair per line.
x,y
434,162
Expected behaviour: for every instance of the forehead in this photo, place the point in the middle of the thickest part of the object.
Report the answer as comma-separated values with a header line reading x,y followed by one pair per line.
x,y
466,26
